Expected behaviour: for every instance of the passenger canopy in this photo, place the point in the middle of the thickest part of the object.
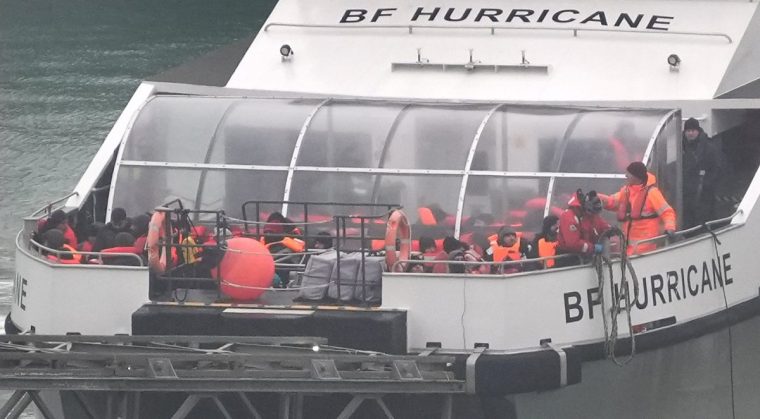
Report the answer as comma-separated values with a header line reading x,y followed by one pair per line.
x,y
463,165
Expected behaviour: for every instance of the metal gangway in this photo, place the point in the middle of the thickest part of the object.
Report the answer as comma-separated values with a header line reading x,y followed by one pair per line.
x,y
107,375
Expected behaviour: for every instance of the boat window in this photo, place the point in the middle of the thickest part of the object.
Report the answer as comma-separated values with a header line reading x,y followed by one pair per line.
x,y
140,189
228,189
429,137
259,132
349,135
521,140
361,188
607,141
175,129
492,202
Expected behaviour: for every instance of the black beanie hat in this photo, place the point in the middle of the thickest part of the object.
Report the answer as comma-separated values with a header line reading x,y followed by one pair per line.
x,y
691,123
638,170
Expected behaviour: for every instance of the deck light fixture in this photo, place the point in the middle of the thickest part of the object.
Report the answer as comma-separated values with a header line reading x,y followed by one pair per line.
x,y
674,61
286,51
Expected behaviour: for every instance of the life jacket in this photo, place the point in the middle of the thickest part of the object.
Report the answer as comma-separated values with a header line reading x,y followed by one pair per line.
x,y
547,248
426,216
75,257
117,260
502,253
296,245
190,254
628,210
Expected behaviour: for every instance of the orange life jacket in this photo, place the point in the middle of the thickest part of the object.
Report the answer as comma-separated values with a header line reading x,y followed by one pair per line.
x,y
547,248
426,216
502,253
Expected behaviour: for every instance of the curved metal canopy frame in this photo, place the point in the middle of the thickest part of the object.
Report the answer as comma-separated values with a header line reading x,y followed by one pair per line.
x,y
296,150
468,166
466,171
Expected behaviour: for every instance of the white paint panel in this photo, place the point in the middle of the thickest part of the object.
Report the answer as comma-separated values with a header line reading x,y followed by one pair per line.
x,y
517,312
91,300
592,66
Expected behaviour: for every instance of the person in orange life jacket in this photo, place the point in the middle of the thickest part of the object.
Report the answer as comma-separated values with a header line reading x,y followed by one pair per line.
x,y
119,222
504,246
642,209
545,242
54,239
59,221
580,227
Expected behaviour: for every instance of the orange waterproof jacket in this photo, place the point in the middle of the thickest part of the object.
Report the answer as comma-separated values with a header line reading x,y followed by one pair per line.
x,y
645,209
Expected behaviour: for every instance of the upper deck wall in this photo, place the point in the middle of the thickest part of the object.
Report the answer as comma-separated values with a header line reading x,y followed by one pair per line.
x,y
348,58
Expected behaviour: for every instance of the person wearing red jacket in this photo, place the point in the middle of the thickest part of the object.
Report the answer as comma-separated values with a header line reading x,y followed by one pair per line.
x,y
580,227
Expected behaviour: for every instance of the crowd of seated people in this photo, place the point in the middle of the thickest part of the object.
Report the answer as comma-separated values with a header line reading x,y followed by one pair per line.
x,y
120,236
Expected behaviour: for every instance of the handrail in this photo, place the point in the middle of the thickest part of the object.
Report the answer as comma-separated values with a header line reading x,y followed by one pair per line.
x,y
493,29
49,206
100,255
502,264
689,230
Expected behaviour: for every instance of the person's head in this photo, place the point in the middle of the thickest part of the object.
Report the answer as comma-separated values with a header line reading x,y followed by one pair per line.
x,y
91,231
592,204
451,244
636,173
57,220
691,129
104,240
118,215
427,245
140,225
276,217
550,226
417,267
507,237
124,239
323,241
53,239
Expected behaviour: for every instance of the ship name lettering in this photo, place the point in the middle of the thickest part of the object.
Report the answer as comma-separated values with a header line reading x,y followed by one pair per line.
x,y
657,289
597,18
19,287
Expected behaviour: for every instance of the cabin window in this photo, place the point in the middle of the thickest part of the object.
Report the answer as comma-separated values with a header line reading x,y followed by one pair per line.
x,y
259,132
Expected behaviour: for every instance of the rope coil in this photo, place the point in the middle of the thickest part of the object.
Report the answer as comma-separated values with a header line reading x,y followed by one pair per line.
x,y
601,262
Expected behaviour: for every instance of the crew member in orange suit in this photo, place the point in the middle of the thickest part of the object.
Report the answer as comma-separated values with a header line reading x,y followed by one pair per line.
x,y
642,209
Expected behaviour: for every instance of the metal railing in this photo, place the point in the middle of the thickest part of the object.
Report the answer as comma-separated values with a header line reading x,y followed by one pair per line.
x,y
529,263
49,206
100,255
681,233
492,29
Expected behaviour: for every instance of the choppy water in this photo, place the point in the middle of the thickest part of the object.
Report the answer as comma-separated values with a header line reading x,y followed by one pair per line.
x,y
67,68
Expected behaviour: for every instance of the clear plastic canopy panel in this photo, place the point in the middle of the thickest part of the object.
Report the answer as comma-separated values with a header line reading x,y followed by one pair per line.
x,y
452,166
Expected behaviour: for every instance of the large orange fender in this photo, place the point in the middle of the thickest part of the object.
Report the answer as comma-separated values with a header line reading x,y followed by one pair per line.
x,y
397,227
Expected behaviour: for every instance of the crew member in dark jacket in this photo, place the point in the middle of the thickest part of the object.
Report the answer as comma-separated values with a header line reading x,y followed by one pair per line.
x,y
701,173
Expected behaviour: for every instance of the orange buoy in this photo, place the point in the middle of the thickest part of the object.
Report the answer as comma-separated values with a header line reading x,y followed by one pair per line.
x,y
246,269
398,227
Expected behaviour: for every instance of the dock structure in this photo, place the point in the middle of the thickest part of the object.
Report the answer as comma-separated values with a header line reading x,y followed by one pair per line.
x,y
107,376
